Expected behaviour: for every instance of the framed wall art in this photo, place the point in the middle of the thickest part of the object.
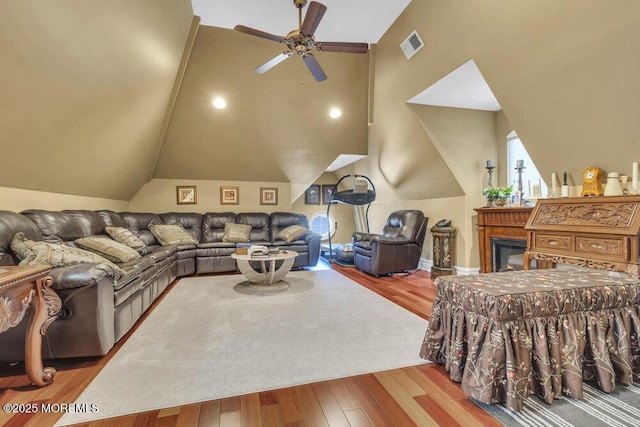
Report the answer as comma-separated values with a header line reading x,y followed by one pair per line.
x,y
312,195
327,192
187,194
229,195
268,195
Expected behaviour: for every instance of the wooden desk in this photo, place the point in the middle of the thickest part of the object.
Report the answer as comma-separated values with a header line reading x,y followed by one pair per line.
x,y
21,287
595,232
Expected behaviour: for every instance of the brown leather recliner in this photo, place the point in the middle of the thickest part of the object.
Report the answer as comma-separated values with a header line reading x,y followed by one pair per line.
x,y
396,249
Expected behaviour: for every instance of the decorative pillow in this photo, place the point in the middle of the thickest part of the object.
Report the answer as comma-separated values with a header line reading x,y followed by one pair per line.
x,y
56,255
110,249
172,234
124,236
291,233
236,233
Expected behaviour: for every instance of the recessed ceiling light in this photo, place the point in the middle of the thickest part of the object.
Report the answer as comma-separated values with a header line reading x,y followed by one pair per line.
x,y
219,103
335,113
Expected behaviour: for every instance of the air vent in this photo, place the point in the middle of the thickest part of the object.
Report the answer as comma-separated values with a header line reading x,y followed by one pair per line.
x,y
411,44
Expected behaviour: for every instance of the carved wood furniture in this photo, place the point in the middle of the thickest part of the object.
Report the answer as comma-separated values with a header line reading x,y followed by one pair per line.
x,y
20,289
597,232
507,335
266,275
504,223
444,248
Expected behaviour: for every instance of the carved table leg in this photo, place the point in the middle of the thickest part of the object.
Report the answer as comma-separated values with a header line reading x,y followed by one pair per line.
x,y
46,305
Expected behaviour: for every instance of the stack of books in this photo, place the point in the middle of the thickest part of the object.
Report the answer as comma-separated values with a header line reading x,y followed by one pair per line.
x,y
258,251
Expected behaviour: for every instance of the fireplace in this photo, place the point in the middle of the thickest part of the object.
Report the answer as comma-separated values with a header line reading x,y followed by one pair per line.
x,y
506,254
506,224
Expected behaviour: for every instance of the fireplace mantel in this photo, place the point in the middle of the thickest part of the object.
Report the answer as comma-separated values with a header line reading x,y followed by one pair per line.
x,y
504,223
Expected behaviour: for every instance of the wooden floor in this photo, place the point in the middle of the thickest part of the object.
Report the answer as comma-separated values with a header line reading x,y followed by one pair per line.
x,y
421,395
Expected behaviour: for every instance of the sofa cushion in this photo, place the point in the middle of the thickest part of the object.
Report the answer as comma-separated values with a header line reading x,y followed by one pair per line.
x,y
108,248
10,224
139,223
172,234
56,255
90,222
236,233
56,227
259,223
291,233
213,225
192,222
124,236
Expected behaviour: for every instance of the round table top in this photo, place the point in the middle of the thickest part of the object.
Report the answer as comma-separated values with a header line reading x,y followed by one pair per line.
x,y
280,255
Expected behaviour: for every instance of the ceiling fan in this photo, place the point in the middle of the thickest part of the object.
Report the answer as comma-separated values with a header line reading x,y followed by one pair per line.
x,y
302,41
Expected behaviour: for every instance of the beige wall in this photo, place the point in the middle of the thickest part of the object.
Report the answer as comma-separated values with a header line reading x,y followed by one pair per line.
x,y
343,214
276,125
159,195
560,70
18,200
85,87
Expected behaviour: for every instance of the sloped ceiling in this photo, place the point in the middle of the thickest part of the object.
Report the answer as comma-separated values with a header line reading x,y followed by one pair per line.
x,y
84,91
276,126
565,73
347,21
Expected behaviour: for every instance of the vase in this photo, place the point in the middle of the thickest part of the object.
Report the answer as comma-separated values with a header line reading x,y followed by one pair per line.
x,y
499,202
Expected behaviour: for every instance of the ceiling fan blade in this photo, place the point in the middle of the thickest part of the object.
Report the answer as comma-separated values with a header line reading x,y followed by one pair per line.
x,y
312,18
342,47
258,33
272,62
314,67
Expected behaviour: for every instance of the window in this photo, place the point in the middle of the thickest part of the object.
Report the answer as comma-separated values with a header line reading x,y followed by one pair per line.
x,y
321,225
530,175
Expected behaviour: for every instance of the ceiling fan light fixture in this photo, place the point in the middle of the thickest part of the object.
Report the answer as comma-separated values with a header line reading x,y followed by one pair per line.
x,y
335,113
301,40
219,103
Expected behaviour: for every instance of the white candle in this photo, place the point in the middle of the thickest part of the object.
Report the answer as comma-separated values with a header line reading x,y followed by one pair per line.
x,y
553,184
536,191
634,180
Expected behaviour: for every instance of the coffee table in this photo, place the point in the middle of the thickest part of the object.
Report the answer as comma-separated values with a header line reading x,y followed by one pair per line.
x,y
265,275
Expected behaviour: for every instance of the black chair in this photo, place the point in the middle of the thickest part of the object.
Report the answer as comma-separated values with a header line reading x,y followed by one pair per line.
x,y
396,249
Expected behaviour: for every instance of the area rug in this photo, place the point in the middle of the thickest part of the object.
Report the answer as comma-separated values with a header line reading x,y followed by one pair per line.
x,y
597,409
214,337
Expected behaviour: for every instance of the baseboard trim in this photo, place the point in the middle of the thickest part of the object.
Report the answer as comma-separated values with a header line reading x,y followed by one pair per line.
x,y
426,264
463,271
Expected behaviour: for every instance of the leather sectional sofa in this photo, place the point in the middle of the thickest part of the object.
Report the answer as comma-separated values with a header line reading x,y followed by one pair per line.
x,y
99,304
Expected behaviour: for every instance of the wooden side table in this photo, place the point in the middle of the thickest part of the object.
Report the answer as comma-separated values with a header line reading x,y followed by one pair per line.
x,y
20,288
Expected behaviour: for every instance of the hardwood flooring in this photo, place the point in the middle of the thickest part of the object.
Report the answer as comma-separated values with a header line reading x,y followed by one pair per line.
x,y
420,395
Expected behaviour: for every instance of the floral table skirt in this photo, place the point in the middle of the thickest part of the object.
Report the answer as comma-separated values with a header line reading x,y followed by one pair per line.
x,y
508,335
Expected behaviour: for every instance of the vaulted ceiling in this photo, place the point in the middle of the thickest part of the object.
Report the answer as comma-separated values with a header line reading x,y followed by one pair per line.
x,y
95,101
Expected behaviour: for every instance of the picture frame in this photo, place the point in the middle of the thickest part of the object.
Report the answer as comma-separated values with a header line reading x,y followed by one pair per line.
x,y
312,195
229,195
268,195
186,194
327,192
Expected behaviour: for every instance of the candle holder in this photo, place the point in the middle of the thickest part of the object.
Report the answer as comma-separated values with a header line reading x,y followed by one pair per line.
x,y
633,190
519,168
490,171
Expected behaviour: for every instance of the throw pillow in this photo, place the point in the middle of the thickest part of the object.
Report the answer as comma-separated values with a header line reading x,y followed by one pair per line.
x,y
110,249
56,255
172,234
236,233
124,236
291,233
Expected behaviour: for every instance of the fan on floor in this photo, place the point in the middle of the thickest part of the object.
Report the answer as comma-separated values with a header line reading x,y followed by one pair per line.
x,y
302,41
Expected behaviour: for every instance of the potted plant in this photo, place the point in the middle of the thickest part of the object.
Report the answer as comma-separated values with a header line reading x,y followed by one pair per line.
x,y
497,196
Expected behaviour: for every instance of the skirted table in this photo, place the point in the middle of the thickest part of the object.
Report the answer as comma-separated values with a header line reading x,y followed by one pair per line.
x,y
508,335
